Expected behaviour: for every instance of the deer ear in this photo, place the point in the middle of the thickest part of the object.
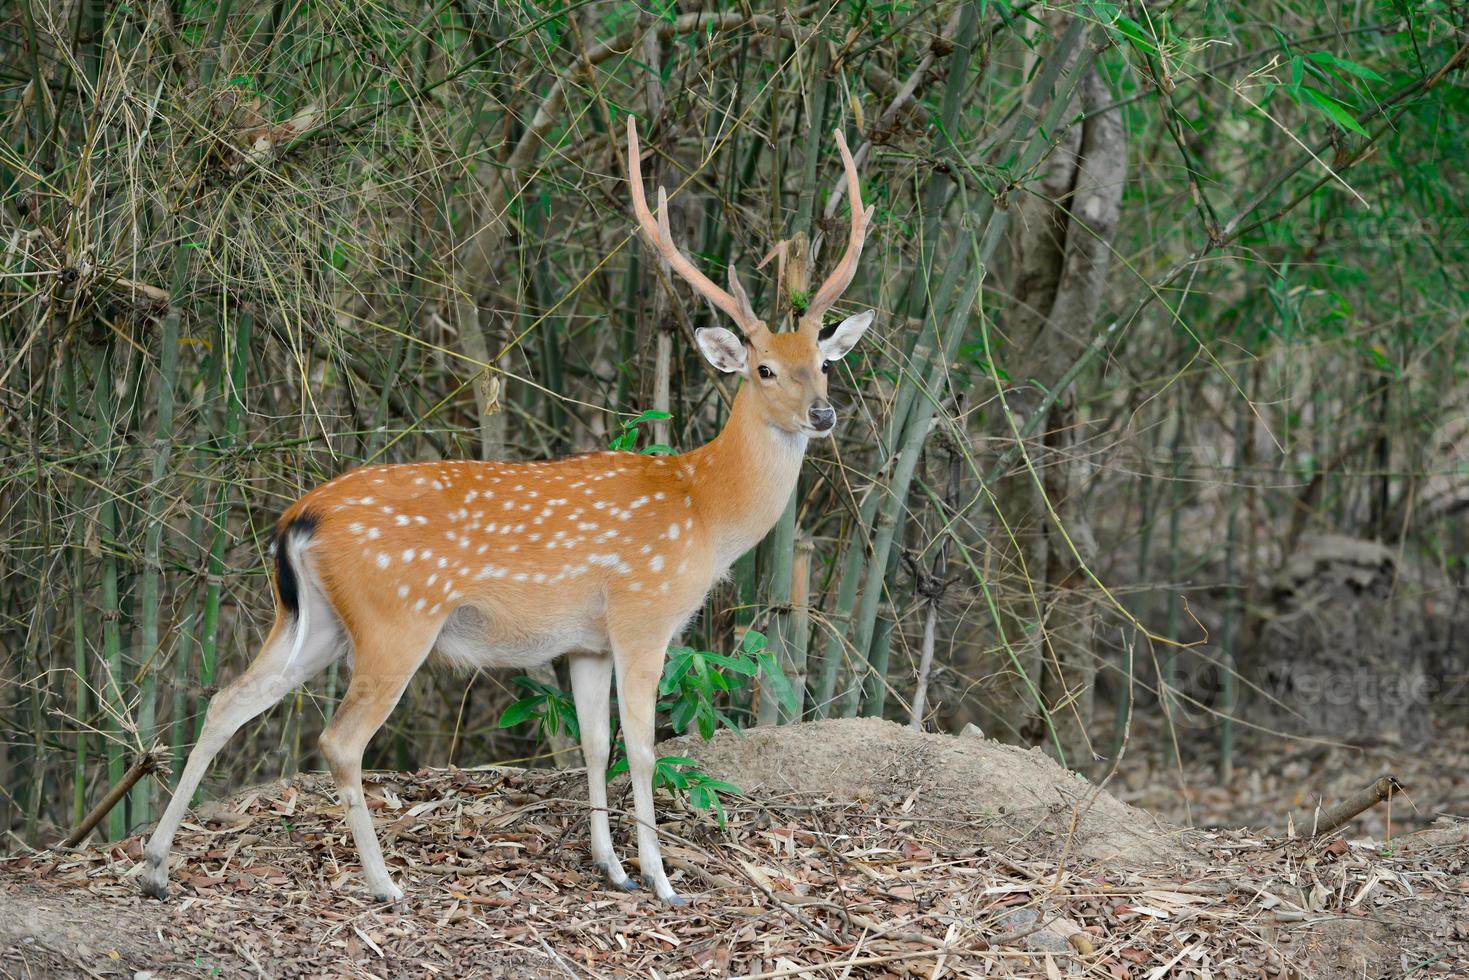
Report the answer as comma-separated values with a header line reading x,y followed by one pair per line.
x,y
844,336
722,349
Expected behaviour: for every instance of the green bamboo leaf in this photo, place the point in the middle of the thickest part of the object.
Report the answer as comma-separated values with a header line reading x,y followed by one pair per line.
x,y
519,711
1332,109
779,683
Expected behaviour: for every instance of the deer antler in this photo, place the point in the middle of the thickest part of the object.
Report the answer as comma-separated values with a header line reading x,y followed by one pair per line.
x,y
735,302
841,276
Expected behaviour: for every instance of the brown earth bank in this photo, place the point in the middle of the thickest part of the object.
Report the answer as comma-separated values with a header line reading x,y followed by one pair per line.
x,y
861,848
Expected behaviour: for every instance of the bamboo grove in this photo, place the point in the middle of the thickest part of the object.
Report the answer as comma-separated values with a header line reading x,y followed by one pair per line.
x,y
1162,292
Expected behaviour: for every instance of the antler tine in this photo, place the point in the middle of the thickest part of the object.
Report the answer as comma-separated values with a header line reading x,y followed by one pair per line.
x,y
841,277
741,297
658,235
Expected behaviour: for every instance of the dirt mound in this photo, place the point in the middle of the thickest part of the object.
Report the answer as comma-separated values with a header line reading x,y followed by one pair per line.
x,y
968,788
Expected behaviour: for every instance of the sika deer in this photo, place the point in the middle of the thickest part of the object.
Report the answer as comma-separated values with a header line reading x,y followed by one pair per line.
x,y
603,557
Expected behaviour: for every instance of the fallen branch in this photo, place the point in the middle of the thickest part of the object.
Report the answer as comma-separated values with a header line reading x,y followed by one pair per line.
x,y
1382,789
145,763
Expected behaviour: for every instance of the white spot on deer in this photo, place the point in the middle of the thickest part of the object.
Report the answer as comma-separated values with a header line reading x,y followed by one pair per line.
x,y
403,591
673,532
471,496
409,554
432,579
419,519
355,528
519,576
656,563
418,606
372,533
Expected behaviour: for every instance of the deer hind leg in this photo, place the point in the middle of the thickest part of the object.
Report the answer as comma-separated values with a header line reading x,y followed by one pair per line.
x,y
639,667
591,686
273,675
382,667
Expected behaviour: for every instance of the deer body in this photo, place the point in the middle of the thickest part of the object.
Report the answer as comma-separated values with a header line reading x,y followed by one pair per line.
x,y
603,558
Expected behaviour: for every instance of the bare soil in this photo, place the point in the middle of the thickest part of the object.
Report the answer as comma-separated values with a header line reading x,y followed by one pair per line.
x,y
860,849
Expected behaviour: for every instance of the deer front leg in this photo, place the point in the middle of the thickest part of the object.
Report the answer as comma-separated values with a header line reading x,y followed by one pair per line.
x,y
639,667
591,687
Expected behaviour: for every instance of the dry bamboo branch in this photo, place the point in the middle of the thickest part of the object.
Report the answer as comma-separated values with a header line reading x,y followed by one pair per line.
x,y
1382,789
144,764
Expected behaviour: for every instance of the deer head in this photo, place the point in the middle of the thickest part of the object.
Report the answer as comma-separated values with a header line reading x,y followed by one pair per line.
x,y
786,372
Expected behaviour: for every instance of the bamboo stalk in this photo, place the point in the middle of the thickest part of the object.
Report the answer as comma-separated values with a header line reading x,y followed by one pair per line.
x,y
81,709
162,452
109,599
233,386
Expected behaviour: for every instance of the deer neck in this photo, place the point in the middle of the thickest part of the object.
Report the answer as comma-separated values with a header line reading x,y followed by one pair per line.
x,y
744,478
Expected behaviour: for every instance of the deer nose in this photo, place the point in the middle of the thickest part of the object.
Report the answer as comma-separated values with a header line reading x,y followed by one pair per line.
x,y
822,416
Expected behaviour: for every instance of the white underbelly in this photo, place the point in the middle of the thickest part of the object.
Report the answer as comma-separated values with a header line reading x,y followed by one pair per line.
x,y
470,640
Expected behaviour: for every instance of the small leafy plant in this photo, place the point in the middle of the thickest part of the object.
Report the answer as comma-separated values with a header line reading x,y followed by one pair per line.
x,y
551,708
627,440
693,692
695,679
681,776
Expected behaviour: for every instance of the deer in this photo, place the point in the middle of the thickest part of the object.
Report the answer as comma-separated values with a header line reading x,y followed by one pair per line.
x,y
603,558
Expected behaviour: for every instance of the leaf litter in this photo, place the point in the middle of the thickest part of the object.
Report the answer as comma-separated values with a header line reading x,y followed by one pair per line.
x,y
862,849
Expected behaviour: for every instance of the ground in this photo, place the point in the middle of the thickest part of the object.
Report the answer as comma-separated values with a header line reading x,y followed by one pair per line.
x,y
860,849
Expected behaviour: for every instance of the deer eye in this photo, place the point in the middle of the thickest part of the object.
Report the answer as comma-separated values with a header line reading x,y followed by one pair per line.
x,y
766,373
825,366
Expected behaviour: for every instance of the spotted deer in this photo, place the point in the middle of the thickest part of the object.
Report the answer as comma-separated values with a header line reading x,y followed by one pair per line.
x,y
602,557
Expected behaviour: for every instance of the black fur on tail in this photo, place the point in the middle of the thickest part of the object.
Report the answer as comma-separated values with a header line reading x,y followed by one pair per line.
x,y
303,525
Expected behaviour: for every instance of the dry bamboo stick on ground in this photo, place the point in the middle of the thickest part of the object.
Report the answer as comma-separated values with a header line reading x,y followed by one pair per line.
x,y
143,765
